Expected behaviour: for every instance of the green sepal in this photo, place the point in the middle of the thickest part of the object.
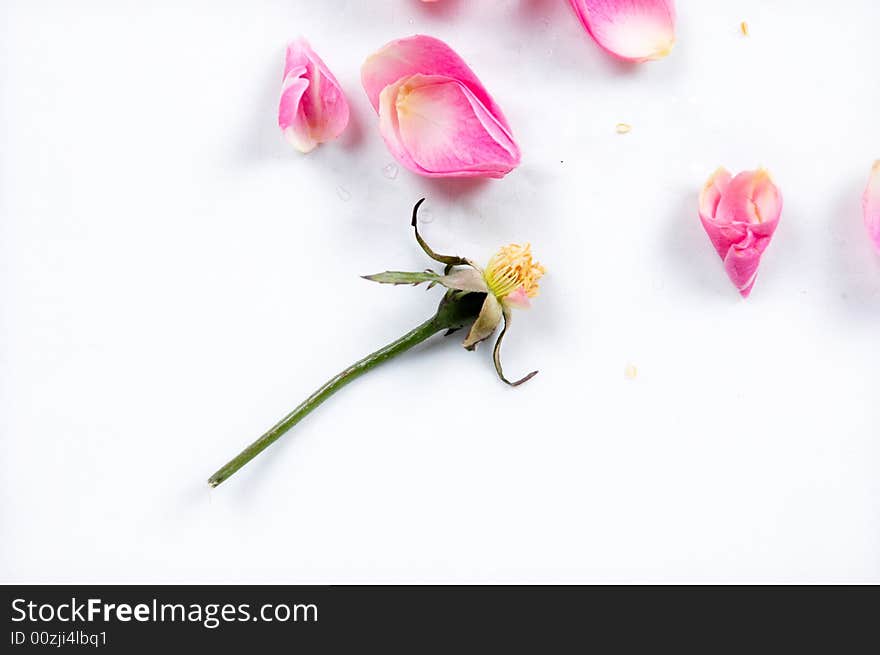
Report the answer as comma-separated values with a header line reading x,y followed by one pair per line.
x,y
405,277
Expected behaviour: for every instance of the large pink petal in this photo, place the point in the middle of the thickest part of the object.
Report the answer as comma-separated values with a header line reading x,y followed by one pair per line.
x,y
423,55
436,127
872,206
635,30
313,108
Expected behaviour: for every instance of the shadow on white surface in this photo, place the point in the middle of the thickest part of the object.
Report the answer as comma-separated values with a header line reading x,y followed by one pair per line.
x,y
259,135
689,253
854,266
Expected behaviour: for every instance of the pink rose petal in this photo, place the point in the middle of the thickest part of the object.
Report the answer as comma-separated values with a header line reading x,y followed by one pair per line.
x,y
740,215
313,108
635,30
436,117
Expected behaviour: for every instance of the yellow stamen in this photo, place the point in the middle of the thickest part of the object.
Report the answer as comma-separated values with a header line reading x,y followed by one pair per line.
x,y
744,28
623,128
512,267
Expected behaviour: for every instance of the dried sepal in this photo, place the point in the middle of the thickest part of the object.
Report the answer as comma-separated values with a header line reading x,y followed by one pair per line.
x,y
414,278
449,260
496,356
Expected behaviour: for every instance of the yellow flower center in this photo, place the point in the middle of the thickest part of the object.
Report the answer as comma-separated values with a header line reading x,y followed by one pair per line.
x,y
512,267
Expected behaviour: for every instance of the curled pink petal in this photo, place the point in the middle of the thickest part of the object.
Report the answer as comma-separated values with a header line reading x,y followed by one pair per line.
x,y
872,206
635,30
313,108
436,117
740,215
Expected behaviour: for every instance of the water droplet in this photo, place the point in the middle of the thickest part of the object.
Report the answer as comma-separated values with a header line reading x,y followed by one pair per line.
x,y
426,216
343,193
390,171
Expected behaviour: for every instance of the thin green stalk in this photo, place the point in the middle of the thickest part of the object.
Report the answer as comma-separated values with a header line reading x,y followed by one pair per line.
x,y
452,314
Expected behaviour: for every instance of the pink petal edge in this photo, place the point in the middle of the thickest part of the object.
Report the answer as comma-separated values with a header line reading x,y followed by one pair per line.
x,y
435,116
633,30
425,55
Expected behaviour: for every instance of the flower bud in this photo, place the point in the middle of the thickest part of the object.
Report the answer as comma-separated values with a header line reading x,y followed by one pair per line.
x,y
740,215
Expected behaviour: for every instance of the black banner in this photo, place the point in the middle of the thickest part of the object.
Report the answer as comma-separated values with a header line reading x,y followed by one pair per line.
x,y
412,619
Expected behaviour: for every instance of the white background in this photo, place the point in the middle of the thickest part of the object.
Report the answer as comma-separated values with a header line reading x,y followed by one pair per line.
x,y
174,278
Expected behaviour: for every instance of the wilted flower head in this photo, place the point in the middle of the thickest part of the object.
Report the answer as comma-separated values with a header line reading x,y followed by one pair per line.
x,y
509,280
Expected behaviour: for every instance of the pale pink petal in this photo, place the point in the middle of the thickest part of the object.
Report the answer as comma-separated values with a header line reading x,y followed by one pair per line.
x,y
434,114
872,206
436,127
389,128
741,263
423,55
751,197
518,298
635,30
740,216
313,108
712,191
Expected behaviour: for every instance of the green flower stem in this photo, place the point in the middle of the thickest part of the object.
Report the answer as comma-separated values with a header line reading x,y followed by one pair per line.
x,y
452,314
